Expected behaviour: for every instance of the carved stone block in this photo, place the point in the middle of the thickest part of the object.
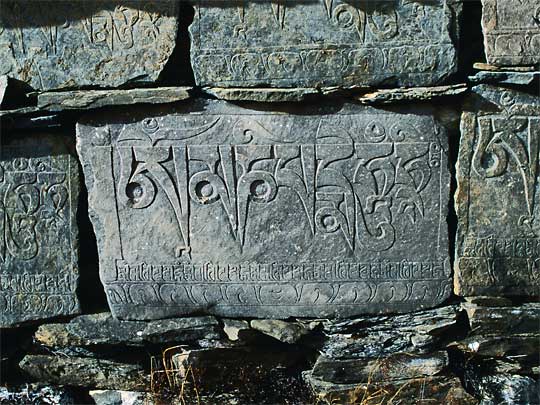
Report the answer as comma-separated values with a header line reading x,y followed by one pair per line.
x,y
317,43
66,44
39,186
311,211
511,32
497,202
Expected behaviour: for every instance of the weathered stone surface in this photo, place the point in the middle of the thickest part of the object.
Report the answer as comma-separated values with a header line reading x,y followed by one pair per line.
x,y
236,329
394,367
268,214
67,44
323,43
39,187
266,95
498,245
85,372
501,346
103,329
378,337
508,389
504,320
286,332
487,301
115,397
429,390
511,32
519,78
35,394
389,96
87,99
492,68
214,366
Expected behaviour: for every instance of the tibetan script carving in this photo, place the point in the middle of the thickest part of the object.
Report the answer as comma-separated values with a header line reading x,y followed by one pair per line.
x,y
233,211
498,201
39,184
323,42
511,32
63,44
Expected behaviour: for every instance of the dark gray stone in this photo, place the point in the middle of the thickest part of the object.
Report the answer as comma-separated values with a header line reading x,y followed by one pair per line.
x,y
379,337
511,32
497,77
103,329
68,44
87,99
501,346
317,43
324,211
427,390
267,95
85,372
36,394
498,245
508,390
504,320
39,187
394,367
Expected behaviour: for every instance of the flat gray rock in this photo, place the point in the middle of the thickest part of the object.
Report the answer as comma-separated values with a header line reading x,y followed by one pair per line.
x,y
397,366
103,329
266,95
511,32
502,77
389,96
319,211
69,44
317,43
498,245
88,99
39,187
85,372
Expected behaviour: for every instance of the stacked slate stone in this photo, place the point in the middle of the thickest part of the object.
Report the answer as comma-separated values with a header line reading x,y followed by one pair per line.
x,y
282,202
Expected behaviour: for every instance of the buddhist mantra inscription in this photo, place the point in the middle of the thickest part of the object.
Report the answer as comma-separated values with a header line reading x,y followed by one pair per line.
x,y
62,44
315,212
323,42
38,229
511,32
498,200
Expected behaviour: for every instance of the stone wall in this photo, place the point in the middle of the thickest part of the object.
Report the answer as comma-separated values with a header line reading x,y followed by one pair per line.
x,y
282,202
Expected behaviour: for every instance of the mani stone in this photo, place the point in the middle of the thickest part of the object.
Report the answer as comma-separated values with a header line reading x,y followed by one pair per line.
x,y
497,201
69,44
511,32
321,211
39,186
317,43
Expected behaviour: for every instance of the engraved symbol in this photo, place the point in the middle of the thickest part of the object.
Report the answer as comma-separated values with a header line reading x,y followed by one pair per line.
x,y
278,10
507,99
516,138
536,16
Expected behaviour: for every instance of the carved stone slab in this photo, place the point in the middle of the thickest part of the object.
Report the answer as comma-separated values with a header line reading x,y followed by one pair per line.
x,y
39,187
64,44
323,42
511,32
498,201
317,211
